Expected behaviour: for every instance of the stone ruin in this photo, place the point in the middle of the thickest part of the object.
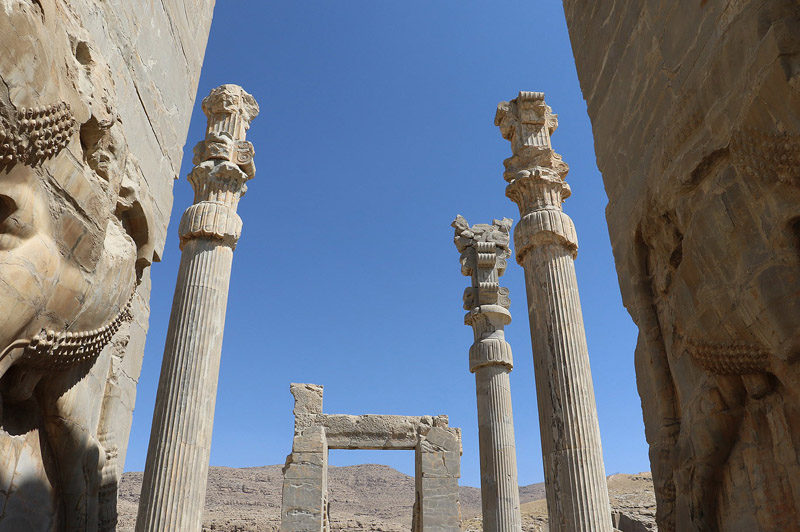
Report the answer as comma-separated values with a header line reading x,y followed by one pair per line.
x,y
437,456
696,114
695,108
95,102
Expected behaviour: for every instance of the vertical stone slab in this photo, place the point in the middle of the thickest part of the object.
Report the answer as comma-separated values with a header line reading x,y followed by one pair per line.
x,y
484,250
174,483
438,468
304,504
546,245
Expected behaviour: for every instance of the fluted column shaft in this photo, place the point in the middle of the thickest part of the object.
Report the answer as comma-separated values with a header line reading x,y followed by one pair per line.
x,y
577,493
176,472
546,246
499,482
484,249
173,489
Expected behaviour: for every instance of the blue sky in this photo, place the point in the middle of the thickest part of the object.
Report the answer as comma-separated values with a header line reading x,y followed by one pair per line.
x,y
376,129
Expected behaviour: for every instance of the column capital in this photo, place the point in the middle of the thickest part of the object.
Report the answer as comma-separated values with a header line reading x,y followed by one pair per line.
x,y
484,249
223,165
229,109
535,172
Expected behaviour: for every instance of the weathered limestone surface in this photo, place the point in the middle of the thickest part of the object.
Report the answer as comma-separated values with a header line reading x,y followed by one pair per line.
x,y
438,468
546,246
437,446
696,114
484,250
95,103
174,485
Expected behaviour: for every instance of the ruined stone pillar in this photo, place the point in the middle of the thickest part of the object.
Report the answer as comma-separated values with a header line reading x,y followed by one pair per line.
x,y
174,484
546,246
304,500
438,468
484,250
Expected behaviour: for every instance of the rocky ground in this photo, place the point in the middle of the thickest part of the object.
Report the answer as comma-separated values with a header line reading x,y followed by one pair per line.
x,y
372,498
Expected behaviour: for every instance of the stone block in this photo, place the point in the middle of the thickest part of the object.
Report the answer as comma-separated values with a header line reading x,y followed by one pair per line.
x,y
311,440
448,439
370,431
307,398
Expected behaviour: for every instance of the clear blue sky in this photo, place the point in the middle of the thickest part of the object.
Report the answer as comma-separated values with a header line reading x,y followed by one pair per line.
x,y
376,129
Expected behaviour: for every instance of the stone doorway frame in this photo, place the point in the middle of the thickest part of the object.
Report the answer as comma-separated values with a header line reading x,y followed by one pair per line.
x,y
437,457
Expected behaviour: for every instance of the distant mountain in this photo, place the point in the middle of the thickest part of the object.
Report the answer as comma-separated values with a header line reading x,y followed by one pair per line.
x,y
367,497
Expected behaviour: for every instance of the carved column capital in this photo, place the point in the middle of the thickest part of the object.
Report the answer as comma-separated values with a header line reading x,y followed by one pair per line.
x,y
229,110
527,122
535,173
484,249
490,346
223,164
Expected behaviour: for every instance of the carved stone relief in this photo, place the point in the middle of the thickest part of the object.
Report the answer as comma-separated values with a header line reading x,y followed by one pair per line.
x,y
78,229
696,117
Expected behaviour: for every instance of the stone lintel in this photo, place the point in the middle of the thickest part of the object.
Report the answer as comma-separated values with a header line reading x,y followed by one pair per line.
x,y
370,431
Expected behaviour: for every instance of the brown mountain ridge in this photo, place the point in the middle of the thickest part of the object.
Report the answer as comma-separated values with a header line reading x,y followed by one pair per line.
x,y
370,497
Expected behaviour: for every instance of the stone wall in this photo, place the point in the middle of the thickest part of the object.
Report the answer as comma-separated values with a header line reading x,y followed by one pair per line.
x,y
94,109
695,108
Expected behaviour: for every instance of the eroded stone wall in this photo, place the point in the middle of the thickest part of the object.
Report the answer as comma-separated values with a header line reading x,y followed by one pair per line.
x,y
95,103
695,108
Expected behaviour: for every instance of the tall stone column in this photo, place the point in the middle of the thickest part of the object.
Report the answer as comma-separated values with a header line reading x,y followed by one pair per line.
x,y
174,485
546,246
484,250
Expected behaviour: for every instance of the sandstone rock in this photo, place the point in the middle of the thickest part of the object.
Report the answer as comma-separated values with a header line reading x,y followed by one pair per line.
x,y
94,108
695,108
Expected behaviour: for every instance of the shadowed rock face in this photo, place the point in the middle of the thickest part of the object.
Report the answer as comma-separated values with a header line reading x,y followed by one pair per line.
x,y
90,141
696,115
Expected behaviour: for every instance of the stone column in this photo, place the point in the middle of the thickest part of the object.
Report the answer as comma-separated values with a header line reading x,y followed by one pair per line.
x,y
484,250
174,484
546,246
